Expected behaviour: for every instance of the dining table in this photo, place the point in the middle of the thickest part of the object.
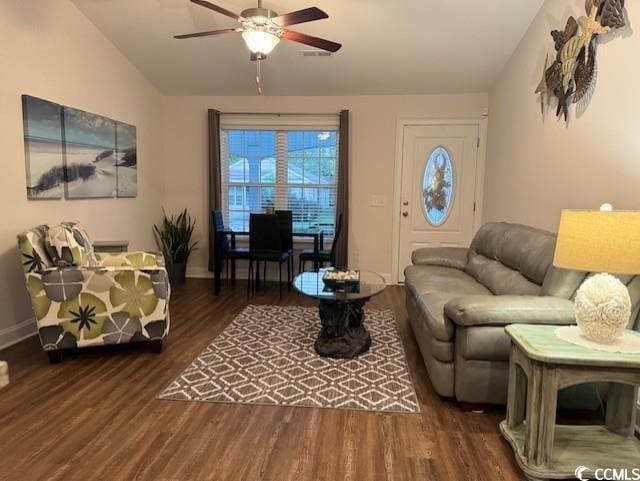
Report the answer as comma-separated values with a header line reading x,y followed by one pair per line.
x,y
317,236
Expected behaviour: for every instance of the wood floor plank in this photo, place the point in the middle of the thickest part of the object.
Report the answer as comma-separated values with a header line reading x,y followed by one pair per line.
x,y
96,416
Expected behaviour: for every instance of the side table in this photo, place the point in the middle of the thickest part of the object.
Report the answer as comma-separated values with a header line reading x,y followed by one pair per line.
x,y
4,374
541,364
111,246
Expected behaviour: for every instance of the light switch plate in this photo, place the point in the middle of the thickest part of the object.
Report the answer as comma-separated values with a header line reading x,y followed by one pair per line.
x,y
378,200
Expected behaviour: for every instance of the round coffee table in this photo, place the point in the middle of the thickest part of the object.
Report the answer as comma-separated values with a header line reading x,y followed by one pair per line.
x,y
343,334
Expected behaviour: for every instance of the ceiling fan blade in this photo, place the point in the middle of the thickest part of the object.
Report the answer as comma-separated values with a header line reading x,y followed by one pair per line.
x,y
218,9
300,16
207,34
321,43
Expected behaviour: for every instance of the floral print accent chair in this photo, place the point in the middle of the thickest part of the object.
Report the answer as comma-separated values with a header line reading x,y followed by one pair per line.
x,y
81,298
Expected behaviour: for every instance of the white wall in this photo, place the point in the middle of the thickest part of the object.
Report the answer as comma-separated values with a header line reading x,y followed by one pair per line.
x,y
50,50
373,143
535,168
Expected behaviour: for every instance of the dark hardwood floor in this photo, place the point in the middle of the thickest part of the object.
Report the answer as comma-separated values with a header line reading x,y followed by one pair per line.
x,y
96,417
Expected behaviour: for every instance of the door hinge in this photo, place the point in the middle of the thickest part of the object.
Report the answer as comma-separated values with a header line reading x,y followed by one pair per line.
x,y
478,142
474,206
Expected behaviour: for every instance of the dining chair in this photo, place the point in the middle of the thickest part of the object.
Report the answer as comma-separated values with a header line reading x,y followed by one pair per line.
x,y
285,220
323,255
226,251
265,245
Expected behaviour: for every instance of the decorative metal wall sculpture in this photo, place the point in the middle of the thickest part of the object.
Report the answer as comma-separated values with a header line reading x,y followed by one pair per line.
x,y
572,76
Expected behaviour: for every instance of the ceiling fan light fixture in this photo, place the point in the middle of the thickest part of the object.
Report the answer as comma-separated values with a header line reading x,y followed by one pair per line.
x,y
260,41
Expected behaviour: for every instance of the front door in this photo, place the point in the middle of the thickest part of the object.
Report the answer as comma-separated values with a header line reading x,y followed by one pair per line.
x,y
439,164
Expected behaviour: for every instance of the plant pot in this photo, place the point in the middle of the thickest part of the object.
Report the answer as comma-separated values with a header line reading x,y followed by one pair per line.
x,y
177,273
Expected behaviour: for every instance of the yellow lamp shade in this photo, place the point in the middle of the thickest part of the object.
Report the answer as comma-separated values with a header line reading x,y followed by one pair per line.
x,y
597,241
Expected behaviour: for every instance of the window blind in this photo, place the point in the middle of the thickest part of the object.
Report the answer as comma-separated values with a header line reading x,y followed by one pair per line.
x,y
276,162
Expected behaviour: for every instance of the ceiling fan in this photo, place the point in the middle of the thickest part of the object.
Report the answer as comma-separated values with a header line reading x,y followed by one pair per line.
x,y
262,29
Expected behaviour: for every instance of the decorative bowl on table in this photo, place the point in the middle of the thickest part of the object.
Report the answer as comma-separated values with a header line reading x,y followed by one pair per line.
x,y
339,280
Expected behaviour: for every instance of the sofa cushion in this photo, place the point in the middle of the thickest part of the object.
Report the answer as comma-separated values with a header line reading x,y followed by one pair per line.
x,y
511,258
68,244
562,282
503,310
423,279
499,278
522,248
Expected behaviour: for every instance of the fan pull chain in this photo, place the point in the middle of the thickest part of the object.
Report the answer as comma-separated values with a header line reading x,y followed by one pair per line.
x,y
258,77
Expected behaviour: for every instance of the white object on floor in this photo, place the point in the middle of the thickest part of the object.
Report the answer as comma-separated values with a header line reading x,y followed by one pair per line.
x,y
629,343
4,374
603,308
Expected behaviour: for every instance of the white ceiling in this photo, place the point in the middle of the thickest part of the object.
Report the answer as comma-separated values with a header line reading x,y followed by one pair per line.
x,y
389,47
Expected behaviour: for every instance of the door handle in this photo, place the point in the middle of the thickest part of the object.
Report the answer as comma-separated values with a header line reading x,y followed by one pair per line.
x,y
405,214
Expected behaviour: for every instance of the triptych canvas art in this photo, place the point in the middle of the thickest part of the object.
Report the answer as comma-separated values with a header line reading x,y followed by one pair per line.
x,y
75,154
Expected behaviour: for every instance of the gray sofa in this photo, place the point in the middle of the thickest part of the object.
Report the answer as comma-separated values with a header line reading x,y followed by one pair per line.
x,y
460,299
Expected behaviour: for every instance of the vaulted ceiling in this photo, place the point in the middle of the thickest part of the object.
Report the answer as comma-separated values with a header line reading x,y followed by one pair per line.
x,y
389,47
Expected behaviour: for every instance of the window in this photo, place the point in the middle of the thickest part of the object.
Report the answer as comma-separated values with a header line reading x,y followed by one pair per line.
x,y
286,169
438,186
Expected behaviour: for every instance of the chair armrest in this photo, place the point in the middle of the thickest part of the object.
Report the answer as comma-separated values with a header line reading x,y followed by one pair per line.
x,y
455,257
136,259
503,310
135,285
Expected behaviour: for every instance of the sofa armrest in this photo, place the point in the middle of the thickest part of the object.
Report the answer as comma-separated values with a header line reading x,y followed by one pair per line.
x,y
455,257
503,310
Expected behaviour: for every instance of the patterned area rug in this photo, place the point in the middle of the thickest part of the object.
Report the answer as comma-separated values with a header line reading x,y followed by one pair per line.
x,y
266,356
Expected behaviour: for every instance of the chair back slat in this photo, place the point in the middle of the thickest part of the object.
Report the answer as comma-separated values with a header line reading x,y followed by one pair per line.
x,y
285,220
264,235
220,241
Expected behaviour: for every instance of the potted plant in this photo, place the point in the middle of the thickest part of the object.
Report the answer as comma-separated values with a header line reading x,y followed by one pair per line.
x,y
174,239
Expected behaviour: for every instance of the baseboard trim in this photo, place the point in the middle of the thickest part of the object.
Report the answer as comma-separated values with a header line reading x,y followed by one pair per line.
x,y
199,273
18,332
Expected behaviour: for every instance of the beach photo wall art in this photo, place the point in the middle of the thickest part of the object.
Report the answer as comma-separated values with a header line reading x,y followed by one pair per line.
x,y
43,148
126,155
77,154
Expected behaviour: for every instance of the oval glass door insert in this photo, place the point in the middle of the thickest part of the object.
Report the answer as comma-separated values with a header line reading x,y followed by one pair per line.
x,y
438,186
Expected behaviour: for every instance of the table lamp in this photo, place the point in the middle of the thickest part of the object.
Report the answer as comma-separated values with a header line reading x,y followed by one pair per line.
x,y
605,242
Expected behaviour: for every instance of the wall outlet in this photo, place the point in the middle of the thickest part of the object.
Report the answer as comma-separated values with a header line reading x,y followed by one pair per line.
x,y
378,200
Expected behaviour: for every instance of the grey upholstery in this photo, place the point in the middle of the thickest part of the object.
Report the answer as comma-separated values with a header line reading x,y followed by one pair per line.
x,y
460,299
455,257
471,311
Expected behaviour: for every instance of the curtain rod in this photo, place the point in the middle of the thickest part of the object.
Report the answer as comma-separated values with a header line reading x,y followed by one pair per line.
x,y
280,114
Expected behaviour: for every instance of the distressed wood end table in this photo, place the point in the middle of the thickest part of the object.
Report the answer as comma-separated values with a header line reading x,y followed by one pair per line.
x,y
541,364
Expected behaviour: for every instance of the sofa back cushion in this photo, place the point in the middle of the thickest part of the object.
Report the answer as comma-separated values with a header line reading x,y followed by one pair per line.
x,y
562,283
33,252
498,278
69,244
511,258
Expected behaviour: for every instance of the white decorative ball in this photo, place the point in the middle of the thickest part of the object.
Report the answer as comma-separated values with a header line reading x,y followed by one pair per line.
x,y
603,308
